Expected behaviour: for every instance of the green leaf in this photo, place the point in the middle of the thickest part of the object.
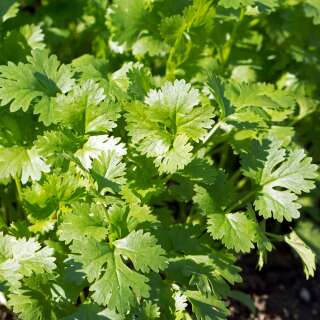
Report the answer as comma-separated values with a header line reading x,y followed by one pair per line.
x,y
92,312
91,68
235,230
263,5
96,145
309,232
38,298
42,77
119,286
281,177
140,81
114,283
84,221
142,250
23,163
85,109
21,258
8,9
170,28
264,245
172,121
128,17
312,10
207,308
149,45
148,311
200,171
216,197
109,171
306,254
277,104
176,157
139,216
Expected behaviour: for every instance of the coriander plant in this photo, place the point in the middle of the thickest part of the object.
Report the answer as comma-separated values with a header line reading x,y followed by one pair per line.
x,y
145,145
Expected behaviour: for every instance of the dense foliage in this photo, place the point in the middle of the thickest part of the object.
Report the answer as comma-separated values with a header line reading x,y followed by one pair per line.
x,y
146,144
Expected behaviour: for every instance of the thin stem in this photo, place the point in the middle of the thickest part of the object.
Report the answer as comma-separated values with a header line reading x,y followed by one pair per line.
x,y
212,131
82,297
19,189
227,49
224,156
207,138
170,64
235,176
19,194
242,201
275,237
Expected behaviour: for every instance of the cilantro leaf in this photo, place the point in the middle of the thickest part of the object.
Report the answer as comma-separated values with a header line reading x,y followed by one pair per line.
x,y
8,9
292,172
312,10
142,250
118,280
172,121
277,104
37,298
207,307
235,230
263,5
127,17
306,254
96,145
42,77
21,162
109,171
21,258
85,109
84,221
148,311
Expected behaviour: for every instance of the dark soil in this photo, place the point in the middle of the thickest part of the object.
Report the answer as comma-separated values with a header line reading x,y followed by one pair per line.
x,y
5,314
280,291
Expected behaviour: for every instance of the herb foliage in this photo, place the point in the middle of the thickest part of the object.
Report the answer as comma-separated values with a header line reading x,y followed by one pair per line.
x,y
145,144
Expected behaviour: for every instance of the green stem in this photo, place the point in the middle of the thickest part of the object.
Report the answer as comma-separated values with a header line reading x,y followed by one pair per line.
x,y
82,297
242,201
212,131
227,49
224,156
170,64
19,196
235,176
275,237
19,189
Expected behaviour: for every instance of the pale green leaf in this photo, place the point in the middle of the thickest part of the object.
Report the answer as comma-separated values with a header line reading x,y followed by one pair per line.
x,y
21,258
22,163
108,170
85,109
281,177
306,254
172,120
96,145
